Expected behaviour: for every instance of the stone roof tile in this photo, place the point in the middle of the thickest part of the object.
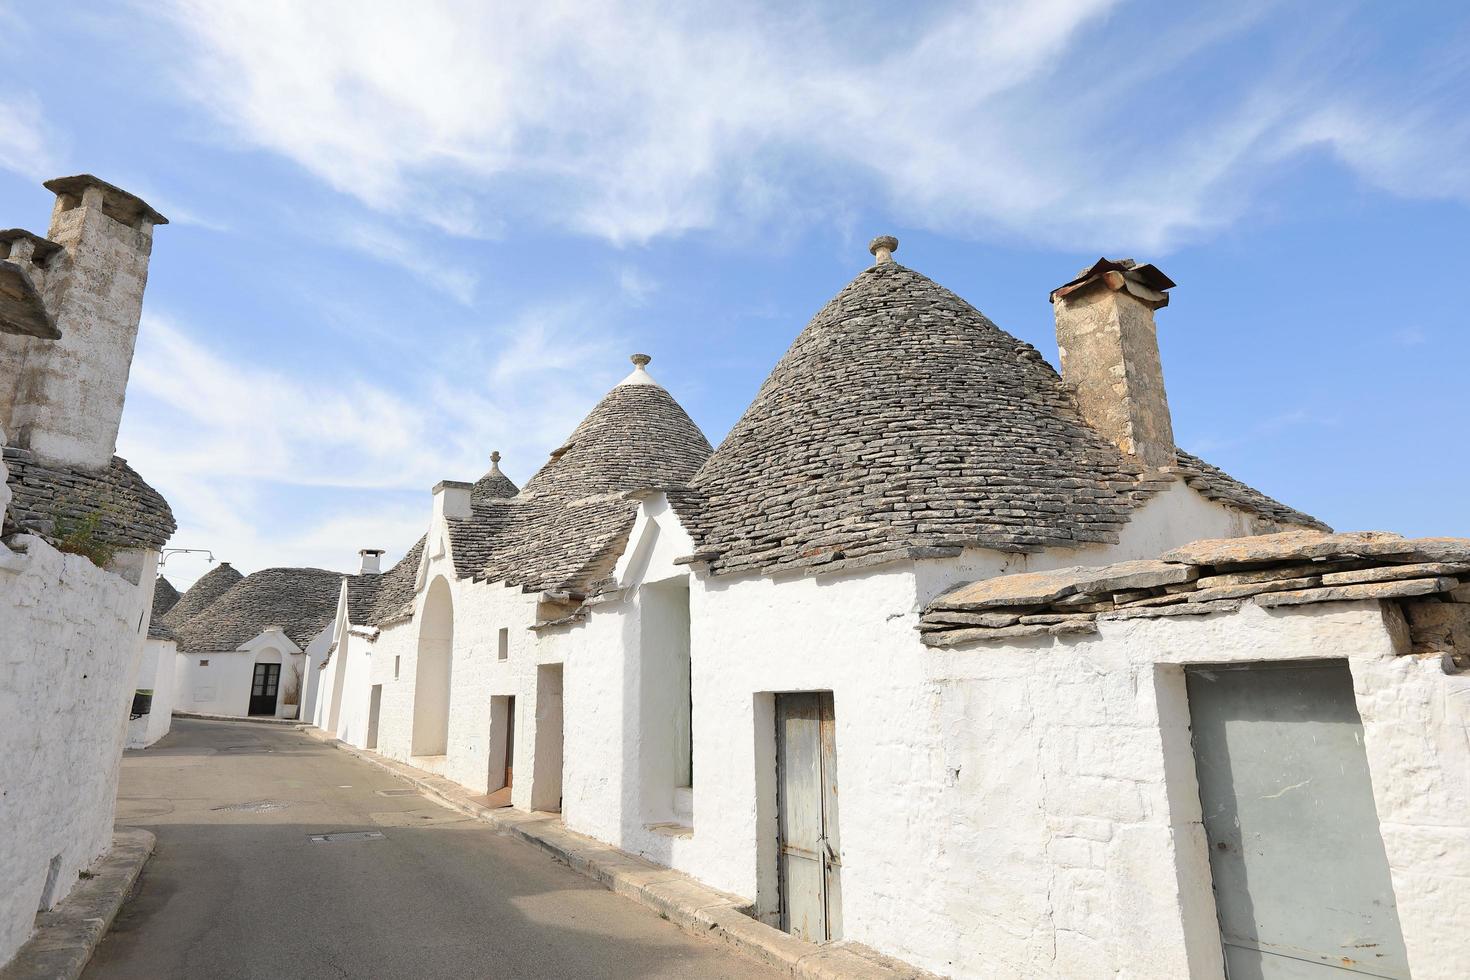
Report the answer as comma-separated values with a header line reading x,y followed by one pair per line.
x,y
197,597
130,513
302,601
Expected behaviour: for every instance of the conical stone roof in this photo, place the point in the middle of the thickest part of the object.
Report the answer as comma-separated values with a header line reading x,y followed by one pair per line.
x,y
201,594
637,438
566,527
902,422
494,485
302,601
164,597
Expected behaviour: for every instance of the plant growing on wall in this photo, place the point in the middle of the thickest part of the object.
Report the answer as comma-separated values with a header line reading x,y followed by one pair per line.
x,y
82,536
292,693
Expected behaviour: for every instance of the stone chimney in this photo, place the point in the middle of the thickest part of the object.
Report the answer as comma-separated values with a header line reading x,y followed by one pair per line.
x,y
371,561
64,399
1110,355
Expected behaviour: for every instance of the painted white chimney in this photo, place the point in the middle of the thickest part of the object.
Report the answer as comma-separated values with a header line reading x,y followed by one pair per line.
x,y
371,561
1110,355
66,399
452,499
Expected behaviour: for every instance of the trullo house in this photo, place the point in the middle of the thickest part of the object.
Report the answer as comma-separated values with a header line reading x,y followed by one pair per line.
x,y
825,668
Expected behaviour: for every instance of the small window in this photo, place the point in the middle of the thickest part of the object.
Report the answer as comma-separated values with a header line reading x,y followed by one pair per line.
x,y
395,667
204,663
504,652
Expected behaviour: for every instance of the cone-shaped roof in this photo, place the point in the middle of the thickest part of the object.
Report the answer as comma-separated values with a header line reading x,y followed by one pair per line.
x,y
201,594
637,438
902,422
164,596
299,600
494,485
566,527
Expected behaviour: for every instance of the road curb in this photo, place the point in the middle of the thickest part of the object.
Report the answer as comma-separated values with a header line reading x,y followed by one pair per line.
x,y
67,935
684,901
252,719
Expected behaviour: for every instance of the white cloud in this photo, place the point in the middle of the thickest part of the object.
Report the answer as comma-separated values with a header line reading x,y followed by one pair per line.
x,y
27,146
270,467
394,248
1051,120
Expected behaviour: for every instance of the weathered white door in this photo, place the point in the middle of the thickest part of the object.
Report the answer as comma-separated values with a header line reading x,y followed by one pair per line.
x,y
809,854
1301,880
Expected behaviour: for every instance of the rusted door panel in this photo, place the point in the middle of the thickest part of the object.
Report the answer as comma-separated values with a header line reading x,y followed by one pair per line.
x,y
1301,879
806,806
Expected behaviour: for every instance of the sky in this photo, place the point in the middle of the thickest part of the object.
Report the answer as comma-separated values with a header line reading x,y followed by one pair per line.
x,y
405,235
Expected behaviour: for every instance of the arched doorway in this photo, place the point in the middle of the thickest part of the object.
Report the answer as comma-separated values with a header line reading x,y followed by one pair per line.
x,y
265,683
431,679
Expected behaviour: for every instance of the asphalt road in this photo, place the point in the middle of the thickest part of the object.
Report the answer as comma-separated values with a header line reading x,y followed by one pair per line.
x,y
237,888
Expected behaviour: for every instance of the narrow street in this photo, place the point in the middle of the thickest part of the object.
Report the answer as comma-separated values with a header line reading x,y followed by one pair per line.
x,y
239,889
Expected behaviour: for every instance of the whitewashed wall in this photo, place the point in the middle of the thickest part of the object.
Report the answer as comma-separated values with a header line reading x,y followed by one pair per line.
x,y
71,639
218,682
157,673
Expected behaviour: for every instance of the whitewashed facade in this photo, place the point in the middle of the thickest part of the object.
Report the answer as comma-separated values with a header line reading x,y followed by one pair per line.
x,y
1018,808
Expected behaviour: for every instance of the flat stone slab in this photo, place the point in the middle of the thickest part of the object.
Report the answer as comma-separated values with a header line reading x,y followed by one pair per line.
x,y
991,620
957,637
1178,609
1367,590
1252,588
1389,573
1288,546
1041,588
66,936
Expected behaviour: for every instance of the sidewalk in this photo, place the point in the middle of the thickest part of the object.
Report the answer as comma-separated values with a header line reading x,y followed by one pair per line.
x,y
695,908
66,936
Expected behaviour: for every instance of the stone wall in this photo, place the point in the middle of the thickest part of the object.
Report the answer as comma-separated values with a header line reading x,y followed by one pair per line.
x,y
71,638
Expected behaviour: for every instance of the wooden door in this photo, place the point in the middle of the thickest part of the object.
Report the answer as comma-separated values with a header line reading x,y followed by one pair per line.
x,y
1301,880
510,739
263,689
809,853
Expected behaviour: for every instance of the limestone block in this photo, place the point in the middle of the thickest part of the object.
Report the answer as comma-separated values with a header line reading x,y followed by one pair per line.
x,y
1443,626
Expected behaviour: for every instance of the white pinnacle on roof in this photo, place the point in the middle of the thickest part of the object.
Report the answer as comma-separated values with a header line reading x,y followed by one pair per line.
x,y
639,375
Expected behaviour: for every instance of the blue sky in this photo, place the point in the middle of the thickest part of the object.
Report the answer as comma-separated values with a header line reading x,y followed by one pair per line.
x,y
407,234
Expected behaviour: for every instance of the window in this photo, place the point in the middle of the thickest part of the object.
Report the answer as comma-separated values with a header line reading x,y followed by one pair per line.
x,y
204,663
395,667
504,652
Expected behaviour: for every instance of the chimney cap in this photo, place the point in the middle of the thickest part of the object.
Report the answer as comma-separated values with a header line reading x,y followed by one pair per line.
x,y
883,248
116,202
372,551
1146,282
42,248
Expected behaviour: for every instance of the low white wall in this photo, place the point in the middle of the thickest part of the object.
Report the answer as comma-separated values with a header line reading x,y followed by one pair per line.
x,y
71,638
157,672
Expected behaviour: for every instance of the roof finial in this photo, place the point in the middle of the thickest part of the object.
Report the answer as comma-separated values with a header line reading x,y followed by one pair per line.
x,y
639,376
495,460
883,248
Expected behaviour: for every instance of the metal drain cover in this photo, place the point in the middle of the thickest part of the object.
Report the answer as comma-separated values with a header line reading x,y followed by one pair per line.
x,y
255,806
398,792
355,835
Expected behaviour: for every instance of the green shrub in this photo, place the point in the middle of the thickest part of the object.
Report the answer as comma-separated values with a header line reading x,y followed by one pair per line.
x,y
82,536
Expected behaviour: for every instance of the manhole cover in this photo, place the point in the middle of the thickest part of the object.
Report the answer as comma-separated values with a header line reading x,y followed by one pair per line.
x,y
398,792
356,835
256,806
